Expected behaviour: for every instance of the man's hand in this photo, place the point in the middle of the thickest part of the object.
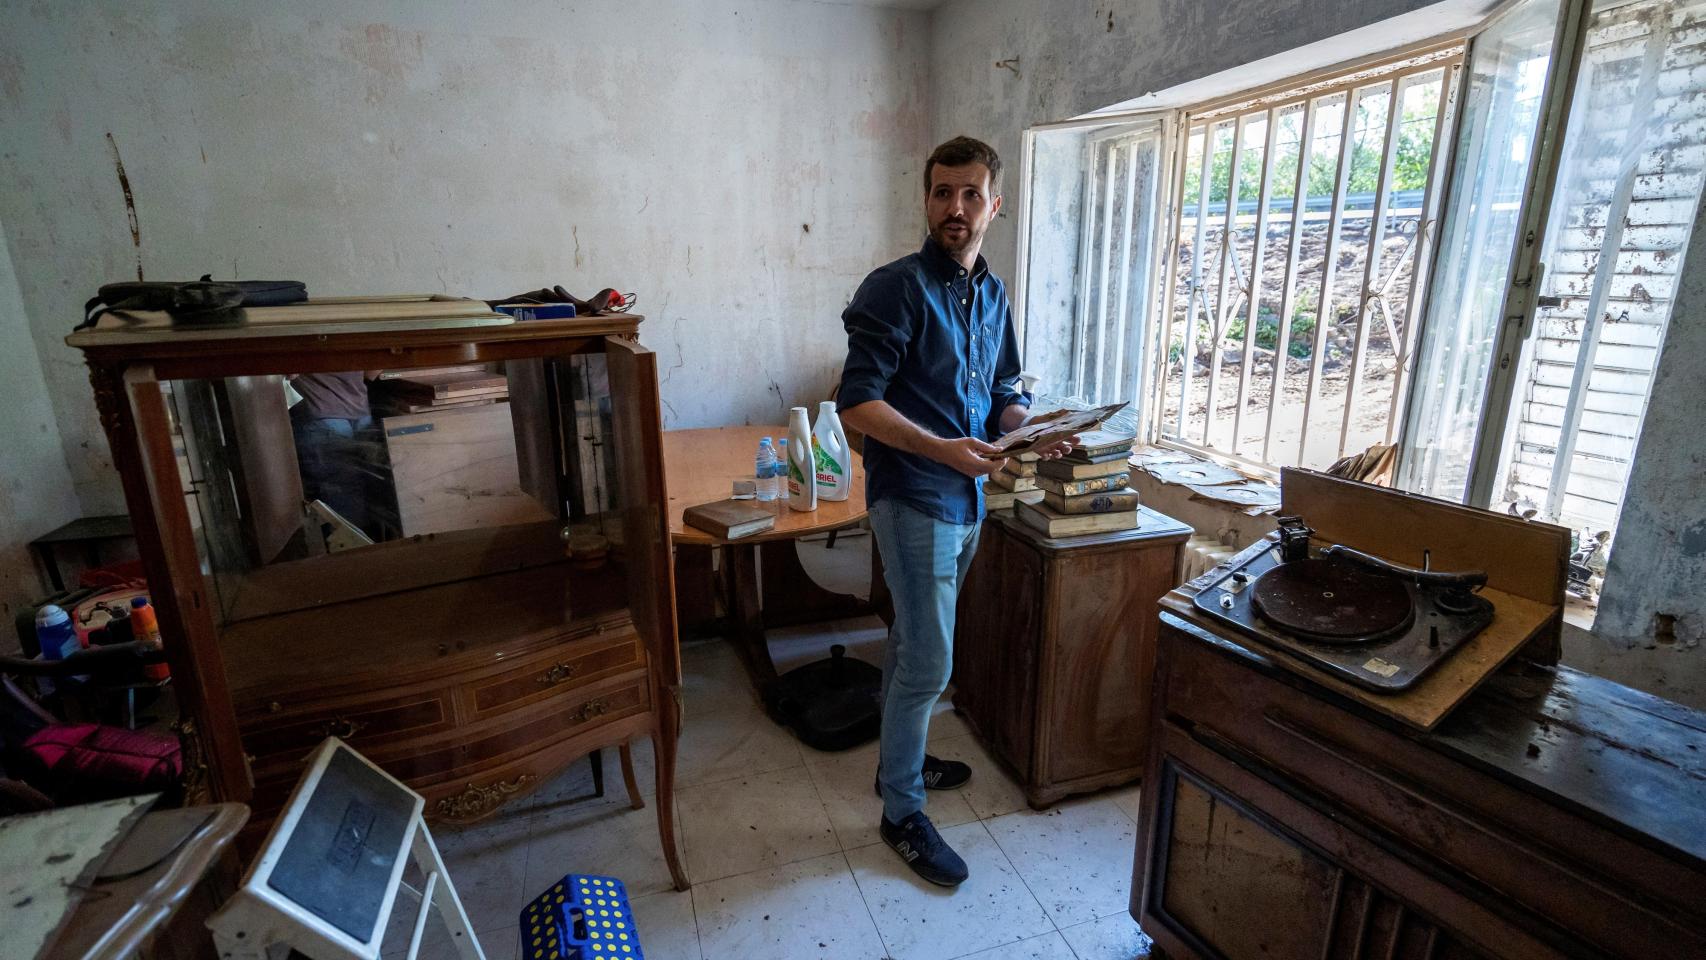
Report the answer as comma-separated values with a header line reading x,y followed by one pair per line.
x,y
968,455
1058,449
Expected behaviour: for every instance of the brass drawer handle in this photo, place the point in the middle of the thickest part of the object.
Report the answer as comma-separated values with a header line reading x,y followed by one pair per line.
x,y
477,801
593,708
557,674
343,728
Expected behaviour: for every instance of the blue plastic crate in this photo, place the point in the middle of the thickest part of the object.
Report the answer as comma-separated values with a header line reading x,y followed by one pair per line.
x,y
582,917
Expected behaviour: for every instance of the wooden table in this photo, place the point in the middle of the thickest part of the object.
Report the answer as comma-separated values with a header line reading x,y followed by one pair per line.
x,y
700,466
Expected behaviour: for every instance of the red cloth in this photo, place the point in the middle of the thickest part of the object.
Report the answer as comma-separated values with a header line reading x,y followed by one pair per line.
x,y
85,762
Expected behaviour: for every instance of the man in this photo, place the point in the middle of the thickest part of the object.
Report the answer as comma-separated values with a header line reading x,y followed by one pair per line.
x,y
336,450
931,375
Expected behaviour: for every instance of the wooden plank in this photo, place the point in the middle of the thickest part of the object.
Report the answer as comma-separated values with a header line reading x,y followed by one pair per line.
x,y
455,469
1522,558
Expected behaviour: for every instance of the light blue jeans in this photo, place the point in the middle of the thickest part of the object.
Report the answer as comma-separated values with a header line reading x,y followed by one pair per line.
x,y
924,562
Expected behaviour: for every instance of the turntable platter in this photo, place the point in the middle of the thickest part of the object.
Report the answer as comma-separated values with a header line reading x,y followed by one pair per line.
x,y
1329,600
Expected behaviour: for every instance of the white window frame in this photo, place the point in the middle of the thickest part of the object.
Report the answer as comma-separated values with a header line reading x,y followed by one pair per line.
x,y
1383,69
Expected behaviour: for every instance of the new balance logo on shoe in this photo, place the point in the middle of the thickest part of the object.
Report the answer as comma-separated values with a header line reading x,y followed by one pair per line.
x,y
906,852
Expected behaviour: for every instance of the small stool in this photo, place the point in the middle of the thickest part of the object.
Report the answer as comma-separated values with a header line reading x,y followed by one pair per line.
x,y
90,532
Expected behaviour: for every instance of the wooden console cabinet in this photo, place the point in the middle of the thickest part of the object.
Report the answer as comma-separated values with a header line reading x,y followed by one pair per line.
x,y
1550,814
1054,650
473,662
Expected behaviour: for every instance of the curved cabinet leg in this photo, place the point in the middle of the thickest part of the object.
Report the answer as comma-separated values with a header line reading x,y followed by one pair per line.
x,y
663,745
635,801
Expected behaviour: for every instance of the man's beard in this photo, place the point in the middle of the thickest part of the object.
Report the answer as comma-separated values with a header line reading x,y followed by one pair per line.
x,y
953,247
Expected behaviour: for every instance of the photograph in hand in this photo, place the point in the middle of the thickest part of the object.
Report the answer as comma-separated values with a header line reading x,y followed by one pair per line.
x,y
1052,427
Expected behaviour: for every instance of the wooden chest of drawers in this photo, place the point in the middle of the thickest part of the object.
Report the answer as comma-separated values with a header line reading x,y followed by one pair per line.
x,y
1054,650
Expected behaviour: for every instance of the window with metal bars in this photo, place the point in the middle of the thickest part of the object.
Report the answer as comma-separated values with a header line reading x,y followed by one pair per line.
x,y
1301,232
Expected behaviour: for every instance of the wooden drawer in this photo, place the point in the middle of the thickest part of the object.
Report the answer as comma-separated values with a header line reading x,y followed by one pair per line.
x,y
551,674
1429,808
568,713
473,753
363,724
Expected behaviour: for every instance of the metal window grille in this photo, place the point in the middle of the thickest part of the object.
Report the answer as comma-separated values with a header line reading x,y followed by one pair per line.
x,y
1298,246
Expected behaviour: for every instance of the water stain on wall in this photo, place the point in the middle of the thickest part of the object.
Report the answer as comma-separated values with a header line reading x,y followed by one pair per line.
x,y
129,203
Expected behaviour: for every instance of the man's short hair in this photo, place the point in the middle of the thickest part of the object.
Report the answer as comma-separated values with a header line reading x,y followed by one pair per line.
x,y
963,150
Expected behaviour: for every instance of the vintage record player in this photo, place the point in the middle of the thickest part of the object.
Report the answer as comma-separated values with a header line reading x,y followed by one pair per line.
x,y
1376,624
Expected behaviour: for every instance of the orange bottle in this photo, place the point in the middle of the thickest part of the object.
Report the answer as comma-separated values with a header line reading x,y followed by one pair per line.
x,y
146,627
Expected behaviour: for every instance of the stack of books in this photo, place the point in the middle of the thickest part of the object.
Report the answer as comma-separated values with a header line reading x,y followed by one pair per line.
x,y
1012,483
1086,491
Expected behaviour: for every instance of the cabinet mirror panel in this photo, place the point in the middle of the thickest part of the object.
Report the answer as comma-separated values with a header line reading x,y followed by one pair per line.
x,y
318,487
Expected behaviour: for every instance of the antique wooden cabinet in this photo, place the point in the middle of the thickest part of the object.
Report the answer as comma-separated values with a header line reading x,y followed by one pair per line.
x,y
473,661
1054,649
1549,814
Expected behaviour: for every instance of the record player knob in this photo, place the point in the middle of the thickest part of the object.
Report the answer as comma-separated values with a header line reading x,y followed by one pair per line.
x,y
1240,577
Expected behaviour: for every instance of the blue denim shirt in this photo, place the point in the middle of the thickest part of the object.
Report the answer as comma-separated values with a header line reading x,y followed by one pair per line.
x,y
938,345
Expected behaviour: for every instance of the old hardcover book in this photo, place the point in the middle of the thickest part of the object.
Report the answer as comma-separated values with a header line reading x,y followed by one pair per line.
x,y
1078,488
1019,467
1080,456
1098,443
1105,502
1005,499
1011,483
1052,523
1064,469
730,519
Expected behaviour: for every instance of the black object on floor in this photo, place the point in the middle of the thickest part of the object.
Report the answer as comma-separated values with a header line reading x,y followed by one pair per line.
x,y
830,704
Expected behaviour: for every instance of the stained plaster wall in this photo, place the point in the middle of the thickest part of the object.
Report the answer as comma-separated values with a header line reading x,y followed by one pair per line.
x,y
35,485
1078,56
741,165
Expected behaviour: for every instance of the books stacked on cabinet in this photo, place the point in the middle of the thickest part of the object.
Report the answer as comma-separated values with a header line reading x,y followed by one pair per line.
x,y
1086,491
1012,483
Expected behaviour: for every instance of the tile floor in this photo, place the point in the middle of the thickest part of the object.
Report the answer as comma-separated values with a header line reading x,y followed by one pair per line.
x,y
780,842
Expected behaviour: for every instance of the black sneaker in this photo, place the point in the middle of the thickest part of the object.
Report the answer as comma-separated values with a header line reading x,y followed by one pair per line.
x,y
924,850
938,775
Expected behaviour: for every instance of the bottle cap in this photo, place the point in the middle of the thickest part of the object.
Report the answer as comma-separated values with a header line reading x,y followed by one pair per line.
x,y
139,602
49,615
764,442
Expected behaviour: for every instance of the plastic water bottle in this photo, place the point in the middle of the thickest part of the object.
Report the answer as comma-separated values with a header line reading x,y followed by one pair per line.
x,y
764,469
54,633
57,639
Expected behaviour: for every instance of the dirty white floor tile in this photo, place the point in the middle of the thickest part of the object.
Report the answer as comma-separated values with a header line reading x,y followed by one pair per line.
x,y
945,724
844,785
1128,798
574,784
992,792
810,909
1049,946
916,919
487,863
666,926
599,837
737,826
1115,937
713,678
1076,857
732,743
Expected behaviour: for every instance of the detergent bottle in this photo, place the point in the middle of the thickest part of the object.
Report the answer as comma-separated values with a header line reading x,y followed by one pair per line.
x,y
802,488
831,456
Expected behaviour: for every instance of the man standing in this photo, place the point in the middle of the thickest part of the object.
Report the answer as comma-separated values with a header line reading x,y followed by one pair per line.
x,y
931,375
